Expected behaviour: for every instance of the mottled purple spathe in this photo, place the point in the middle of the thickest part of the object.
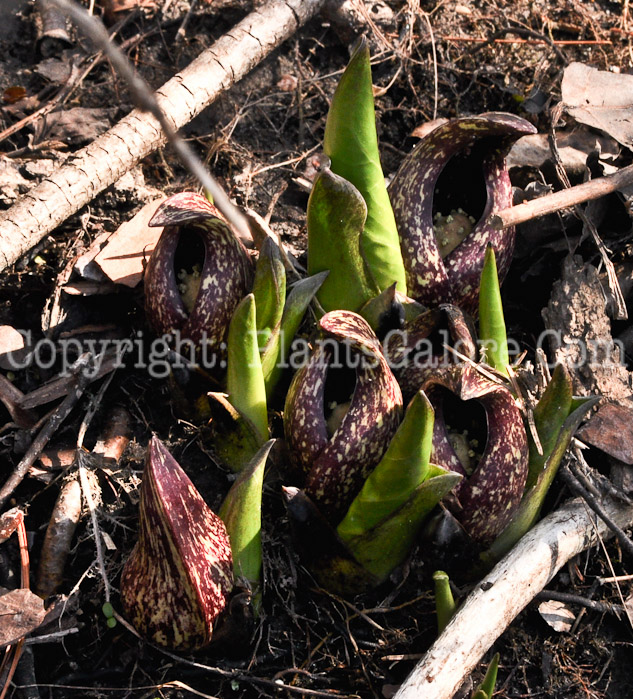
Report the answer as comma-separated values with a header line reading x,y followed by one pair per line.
x,y
486,500
432,280
177,580
226,275
336,467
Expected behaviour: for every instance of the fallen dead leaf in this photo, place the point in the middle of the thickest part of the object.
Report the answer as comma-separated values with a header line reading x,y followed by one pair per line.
x,y
21,612
610,430
600,99
573,148
122,257
13,352
557,615
76,126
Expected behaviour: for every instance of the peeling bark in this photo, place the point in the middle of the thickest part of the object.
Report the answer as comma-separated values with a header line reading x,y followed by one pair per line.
x,y
504,592
105,160
579,331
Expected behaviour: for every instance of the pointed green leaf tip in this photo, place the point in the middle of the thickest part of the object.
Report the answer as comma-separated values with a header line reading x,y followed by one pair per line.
x,y
241,512
444,601
486,689
492,326
401,470
351,142
245,380
278,348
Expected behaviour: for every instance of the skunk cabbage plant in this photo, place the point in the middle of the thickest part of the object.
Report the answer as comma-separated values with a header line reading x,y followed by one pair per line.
x,y
428,234
342,409
177,583
443,250
178,579
198,299
363,471
493,458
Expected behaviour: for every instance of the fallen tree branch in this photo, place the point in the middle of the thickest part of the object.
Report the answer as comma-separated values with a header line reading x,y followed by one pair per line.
x,y
565,199
109,157
504,592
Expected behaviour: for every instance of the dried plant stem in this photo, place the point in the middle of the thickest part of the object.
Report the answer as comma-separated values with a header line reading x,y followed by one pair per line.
x,y
110,156
566,198
505,592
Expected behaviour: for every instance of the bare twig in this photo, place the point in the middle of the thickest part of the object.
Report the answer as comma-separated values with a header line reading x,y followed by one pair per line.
x,y
147,101
85,482
578,488
569,598
59,534
565,199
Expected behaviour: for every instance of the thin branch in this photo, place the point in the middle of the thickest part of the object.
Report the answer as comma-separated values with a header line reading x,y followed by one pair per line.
x,y
565,199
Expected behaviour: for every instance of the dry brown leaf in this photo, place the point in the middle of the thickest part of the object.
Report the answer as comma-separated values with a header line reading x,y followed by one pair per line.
x,y
12,349
600,99
21,611
610,430
121,259
76,125
557,615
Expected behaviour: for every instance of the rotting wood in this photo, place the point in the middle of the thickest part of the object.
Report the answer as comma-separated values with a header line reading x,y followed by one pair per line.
x,y
105,160
504,592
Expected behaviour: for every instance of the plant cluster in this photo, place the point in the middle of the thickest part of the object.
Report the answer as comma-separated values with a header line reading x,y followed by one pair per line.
x,y
375,438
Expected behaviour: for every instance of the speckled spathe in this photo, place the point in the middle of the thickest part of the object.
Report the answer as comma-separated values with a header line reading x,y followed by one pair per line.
x,y
335,468
225,279
432,280
486,500
176,582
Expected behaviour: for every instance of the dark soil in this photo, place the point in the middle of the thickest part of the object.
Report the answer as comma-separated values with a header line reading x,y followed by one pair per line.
x,y
257,139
